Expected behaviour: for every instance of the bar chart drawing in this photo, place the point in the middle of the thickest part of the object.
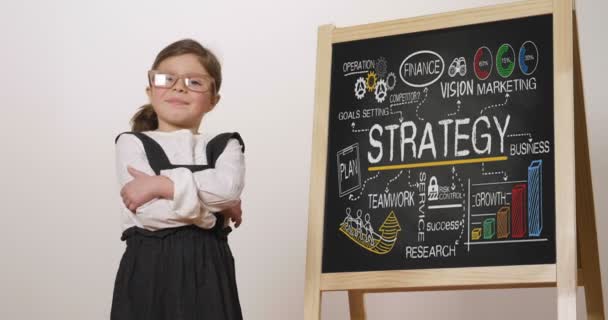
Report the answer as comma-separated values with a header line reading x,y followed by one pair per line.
x,y
535,218
516,221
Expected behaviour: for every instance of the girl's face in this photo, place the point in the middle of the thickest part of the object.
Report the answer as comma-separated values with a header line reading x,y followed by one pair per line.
x,y
179,107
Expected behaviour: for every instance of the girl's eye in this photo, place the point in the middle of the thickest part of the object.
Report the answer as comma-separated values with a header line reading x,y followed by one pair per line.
x,y
197,83
162,79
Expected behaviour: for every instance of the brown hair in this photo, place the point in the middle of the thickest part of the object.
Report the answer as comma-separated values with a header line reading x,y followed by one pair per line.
x,y
145,118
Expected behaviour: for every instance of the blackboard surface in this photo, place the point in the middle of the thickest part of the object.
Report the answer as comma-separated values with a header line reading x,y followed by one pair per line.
x,y
441,149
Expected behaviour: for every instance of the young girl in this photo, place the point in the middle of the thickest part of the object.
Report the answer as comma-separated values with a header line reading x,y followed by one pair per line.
x,y
180,190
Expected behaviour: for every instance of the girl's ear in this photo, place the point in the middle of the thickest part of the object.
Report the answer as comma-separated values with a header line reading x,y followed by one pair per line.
x,y
149,94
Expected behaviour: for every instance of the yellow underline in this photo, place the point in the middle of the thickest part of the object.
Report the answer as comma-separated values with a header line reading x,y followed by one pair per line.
x,y
436,163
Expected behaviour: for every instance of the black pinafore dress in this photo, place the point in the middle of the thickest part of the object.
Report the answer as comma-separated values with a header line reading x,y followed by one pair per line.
x,y
182,273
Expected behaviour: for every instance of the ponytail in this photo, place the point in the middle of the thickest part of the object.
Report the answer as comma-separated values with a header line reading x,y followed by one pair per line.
x,y
145,119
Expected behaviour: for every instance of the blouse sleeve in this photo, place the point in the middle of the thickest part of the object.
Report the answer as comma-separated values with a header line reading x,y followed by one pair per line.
x,y
185,202
218,188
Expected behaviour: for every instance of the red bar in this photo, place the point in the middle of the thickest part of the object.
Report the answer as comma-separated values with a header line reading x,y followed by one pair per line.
x,y
519,210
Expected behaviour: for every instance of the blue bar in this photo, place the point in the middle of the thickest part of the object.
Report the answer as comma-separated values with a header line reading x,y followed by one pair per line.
x,y
535,198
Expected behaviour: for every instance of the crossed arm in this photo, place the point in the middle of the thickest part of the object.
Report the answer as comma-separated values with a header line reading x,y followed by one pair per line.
x,y
179,190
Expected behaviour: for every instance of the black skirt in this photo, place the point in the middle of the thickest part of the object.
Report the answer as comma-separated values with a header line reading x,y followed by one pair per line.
x,y
183,273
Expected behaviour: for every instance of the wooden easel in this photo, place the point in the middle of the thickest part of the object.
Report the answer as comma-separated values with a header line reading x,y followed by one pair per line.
x,y
575,212
589,274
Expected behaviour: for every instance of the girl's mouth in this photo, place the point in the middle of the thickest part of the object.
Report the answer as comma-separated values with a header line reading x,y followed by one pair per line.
x,y
176,102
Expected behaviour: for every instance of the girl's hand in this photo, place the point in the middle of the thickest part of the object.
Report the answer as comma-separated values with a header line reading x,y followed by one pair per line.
x,y
141,189
235,214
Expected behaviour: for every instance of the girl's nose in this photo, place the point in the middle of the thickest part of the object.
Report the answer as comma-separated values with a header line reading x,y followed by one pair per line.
x,y
179,86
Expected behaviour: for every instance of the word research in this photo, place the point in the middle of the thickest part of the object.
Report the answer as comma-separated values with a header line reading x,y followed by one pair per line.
x,y
412,142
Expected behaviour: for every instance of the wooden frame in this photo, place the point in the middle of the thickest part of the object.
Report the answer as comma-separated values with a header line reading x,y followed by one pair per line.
x,y
570,205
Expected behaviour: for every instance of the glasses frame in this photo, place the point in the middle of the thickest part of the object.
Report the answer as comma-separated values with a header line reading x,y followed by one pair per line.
x,y
183,77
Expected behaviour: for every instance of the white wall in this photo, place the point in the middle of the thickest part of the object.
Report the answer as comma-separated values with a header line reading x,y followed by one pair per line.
x,y
72,75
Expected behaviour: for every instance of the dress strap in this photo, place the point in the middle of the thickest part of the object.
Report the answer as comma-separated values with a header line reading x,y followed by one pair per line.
x,y
157,158
216,146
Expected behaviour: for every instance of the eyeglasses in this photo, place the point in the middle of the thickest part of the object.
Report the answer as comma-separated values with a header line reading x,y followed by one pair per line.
x,y
193,81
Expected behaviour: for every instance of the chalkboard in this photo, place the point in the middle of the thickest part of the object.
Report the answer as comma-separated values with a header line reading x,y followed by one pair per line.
x,y
441,149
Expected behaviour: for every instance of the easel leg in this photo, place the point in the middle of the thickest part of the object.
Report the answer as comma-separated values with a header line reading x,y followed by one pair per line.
x,y
585,208
314,244
565,167
356,305
312,303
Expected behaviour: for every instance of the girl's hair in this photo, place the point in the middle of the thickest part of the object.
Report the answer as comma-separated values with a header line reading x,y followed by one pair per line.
x,y
145,118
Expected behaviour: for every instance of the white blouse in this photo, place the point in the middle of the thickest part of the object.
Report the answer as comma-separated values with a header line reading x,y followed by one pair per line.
x,y
196,194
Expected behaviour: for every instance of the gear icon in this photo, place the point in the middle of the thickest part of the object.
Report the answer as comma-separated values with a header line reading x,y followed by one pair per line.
x,y
381,90
371,81
391,81
381,67
360,87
